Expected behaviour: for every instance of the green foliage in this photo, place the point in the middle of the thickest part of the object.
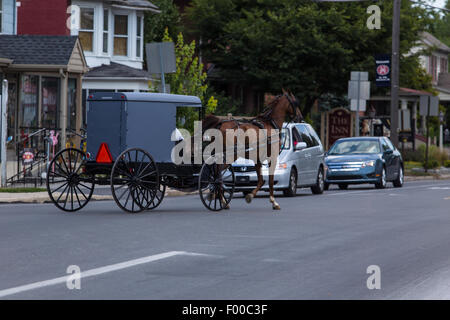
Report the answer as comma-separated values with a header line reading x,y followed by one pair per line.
x,y
432,164
434,153
189,79
440,26
225,104
156,23
305,46
447,163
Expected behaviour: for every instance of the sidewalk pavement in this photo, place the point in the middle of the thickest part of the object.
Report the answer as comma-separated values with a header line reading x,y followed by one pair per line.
x,y
42,197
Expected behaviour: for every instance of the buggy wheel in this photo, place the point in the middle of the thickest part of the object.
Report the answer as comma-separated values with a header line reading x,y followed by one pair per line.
x,y
159,196
134,180
216,185
68,186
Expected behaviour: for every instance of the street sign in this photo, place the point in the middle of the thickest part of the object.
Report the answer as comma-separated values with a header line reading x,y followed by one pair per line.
x,y
354,105
383,70
431,102
364,90
359,75
161,57
434,106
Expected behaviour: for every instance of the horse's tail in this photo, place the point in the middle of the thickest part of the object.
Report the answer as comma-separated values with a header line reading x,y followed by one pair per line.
x,y
210,121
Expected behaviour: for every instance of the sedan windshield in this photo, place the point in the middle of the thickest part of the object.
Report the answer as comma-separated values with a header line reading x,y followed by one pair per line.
x,y
355,147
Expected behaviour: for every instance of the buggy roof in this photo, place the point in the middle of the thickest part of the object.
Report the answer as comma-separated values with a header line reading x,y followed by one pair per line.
x,y
148,97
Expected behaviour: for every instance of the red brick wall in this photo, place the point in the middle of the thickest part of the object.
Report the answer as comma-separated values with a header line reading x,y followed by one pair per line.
x,y
44,17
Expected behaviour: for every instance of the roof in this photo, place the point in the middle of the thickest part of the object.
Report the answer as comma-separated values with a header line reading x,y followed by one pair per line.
x,y
37,49
147,97
431,40
116,70
137,4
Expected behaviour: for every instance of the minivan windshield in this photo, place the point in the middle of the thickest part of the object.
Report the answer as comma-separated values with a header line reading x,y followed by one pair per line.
x,y
355,147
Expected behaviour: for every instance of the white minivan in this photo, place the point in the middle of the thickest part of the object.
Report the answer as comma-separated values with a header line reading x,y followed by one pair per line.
x,y
300,163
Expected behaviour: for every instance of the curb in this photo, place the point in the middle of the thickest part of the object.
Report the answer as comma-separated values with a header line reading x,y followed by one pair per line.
x,y
431,177
42,197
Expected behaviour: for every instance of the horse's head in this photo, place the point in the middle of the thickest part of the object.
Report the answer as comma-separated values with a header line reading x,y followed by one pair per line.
x,y
292,106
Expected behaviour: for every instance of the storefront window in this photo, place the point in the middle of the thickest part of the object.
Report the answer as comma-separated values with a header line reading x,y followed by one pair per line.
x,y
72,104
29,101
120,35
50,102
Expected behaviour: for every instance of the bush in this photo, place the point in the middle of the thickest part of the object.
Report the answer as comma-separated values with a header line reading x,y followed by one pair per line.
x,y
447,163
413,155
432,164
433,154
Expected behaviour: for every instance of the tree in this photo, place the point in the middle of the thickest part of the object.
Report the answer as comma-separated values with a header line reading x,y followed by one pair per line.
x,y
189,79
441,25
305,46
156,23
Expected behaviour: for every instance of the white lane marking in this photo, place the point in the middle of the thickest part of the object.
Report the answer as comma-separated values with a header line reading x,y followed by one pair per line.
x,y
98,271
439,188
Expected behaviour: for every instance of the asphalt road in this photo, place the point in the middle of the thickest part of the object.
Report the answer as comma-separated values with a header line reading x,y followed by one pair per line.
x,y
316,247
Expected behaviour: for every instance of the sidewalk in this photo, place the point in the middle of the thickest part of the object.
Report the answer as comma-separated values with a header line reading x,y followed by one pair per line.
x,y
42,197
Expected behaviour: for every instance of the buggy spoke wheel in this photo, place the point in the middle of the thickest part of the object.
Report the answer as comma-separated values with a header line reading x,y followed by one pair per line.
x,y
69,188
134,180
158,196
216,186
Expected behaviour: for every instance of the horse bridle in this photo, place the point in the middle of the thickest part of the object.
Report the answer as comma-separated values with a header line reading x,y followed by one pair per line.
x,y
294,105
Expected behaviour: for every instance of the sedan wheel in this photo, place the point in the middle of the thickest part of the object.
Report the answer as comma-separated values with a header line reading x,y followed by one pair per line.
x,y
382,183
398,183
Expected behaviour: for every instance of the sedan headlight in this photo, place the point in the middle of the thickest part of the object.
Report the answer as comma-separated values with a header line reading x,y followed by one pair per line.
x,y
370,163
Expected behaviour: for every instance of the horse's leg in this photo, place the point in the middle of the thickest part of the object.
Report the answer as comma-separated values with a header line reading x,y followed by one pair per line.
x,y
275,205
251,195
222,198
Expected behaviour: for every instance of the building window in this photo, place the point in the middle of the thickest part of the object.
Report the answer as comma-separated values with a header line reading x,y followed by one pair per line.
x,y
139,37
105,30
433,68
50,102
29,101
121,35
86,33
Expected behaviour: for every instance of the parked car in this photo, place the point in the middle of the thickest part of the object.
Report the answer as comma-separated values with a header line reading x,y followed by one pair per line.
x,y
363,160
300,163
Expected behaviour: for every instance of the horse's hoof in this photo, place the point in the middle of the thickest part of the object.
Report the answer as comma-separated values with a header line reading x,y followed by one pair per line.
x,y
227,207
249,198
276,207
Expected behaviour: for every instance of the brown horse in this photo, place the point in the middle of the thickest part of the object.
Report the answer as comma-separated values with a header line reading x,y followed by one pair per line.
x,y
271,120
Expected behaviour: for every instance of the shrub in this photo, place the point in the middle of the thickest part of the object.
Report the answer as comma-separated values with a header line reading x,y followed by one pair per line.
x,y
447,163
432,164
413,155
433,154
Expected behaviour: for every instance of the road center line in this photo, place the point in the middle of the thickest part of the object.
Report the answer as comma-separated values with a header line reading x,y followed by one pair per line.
x,y
97,271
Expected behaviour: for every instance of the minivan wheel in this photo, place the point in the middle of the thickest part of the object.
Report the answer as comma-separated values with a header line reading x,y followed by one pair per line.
x,y
382,183
398,183
343,186
320,184
291,191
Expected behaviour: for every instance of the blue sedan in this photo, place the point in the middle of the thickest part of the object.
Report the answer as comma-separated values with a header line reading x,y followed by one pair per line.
x,y
363,160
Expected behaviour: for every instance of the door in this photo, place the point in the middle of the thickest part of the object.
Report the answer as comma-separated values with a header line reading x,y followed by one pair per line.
x,y
389,159
317,150
299,157
309,170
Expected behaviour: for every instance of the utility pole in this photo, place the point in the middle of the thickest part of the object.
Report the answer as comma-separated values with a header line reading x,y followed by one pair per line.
x,y
395,71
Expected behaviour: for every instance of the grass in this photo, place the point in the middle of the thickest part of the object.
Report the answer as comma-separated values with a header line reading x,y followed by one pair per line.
x,y
22,190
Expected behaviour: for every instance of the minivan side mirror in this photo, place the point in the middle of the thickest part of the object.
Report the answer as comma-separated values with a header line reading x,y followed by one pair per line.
x,y
300,146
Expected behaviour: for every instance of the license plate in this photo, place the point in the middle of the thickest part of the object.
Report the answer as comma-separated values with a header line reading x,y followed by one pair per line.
x,y
243,179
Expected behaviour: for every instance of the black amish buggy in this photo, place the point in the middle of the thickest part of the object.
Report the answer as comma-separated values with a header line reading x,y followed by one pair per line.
x,y
129,147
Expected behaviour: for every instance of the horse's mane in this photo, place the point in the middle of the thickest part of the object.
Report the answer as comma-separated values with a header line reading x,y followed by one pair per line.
x,y
266,115
210,121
